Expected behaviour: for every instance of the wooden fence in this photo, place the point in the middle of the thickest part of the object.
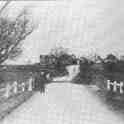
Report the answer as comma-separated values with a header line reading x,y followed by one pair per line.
x,y
114,86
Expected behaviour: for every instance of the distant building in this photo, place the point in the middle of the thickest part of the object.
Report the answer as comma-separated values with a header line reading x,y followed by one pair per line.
x,y
47,60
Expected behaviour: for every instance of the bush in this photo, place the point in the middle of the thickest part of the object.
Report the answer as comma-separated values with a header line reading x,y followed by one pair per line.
x,y
85,74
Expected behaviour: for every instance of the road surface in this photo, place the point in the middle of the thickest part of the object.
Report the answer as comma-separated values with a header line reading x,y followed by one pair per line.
x,y
63,103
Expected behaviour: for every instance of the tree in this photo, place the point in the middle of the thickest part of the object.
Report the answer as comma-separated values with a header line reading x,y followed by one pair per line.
x,y
62,59
63,56
111,58
59,51
12,33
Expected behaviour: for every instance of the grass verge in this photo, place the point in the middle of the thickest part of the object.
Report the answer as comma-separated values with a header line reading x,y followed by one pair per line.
x,y
7,106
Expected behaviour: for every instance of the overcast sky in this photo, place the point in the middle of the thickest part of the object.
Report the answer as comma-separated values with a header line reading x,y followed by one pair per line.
x,y
83,26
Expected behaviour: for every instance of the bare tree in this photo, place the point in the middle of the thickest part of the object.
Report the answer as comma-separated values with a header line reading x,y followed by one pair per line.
x,y
59,51
12,33
4,6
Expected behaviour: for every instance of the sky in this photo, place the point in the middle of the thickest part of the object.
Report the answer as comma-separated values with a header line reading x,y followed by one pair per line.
x,y
85,27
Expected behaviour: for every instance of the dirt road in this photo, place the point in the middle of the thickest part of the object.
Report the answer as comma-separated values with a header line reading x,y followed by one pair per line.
x,y
63,103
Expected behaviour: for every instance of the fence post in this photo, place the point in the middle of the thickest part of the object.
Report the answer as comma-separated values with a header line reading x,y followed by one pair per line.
x,y
115,86
23,86
15,87
7,90
121,87
41,72
108,85
30,84
48,76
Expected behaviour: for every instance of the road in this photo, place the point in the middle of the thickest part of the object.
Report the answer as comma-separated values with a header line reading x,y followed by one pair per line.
x,y
63,103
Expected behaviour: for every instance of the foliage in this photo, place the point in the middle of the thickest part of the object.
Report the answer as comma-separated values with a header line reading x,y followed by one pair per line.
x,y
111,58
63,58
85,74
59,51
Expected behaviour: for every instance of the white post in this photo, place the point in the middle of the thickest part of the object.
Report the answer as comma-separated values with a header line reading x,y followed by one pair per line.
x,y
78,62
15,87
48,76
121,87
42,72
115,86
23,86
108,85
30,83
7,91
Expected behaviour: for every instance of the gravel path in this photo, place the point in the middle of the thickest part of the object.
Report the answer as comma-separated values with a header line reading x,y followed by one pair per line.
x,y
63,103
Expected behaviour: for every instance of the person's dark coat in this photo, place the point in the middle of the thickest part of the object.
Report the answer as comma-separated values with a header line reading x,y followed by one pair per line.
x,y
40,81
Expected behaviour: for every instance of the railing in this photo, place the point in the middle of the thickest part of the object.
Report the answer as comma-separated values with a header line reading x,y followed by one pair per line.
x,y
115,85
15,88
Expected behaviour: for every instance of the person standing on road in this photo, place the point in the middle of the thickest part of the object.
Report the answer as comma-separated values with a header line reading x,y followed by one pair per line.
x,y
40,81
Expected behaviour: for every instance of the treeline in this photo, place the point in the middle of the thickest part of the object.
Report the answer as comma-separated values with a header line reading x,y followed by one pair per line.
x,y
92,70
100,69
58,59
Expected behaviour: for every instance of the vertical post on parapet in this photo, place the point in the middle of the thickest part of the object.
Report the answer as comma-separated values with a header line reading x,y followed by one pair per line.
x,y
7,90
48,76
23,86
30,84
114,86
41,72
108,85
15,88
121,88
